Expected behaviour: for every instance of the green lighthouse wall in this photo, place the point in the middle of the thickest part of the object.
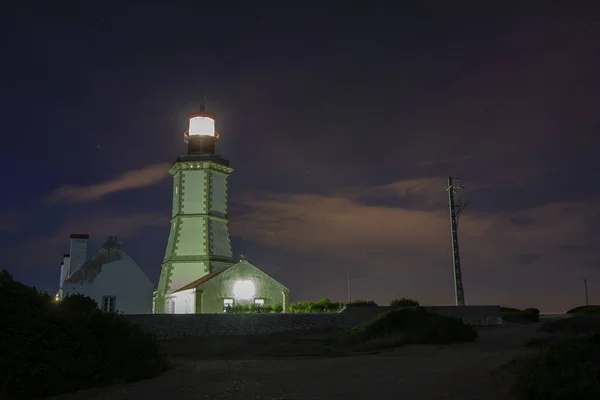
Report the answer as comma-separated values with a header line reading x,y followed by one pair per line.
x,y
199,241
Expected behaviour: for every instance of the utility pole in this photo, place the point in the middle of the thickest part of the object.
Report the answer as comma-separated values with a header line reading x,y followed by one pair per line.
x,y
349,290
587,303
455,210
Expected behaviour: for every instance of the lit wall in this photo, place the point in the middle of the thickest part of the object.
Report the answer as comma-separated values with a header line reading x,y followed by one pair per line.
x,y
221,287
218,193
183,302
183,273
123,279
193,190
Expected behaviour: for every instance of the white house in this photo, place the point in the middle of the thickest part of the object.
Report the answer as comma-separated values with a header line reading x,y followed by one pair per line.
x,y
109,276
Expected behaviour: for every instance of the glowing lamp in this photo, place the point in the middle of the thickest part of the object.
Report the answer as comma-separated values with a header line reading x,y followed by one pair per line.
x,y
244,290
201,125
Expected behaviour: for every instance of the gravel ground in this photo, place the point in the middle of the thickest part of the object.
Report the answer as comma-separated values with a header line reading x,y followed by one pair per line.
x,y
465,372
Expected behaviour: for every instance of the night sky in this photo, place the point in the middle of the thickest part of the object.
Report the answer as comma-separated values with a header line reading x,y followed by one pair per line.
x,y
342,125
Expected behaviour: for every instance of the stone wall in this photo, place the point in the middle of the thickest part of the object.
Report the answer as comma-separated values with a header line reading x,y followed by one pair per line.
x,y
474,315
169,326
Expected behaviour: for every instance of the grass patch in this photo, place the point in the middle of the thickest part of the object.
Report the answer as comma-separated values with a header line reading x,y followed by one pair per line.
x,y
407,326
572,326
566,370
526,316
585,310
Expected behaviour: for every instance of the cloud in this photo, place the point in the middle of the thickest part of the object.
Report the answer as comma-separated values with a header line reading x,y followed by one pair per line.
x,y
134,179
311,222
97,225
510,255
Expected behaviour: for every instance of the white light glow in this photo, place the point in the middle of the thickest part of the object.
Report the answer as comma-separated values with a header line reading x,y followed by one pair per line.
x,y
244,290
202,126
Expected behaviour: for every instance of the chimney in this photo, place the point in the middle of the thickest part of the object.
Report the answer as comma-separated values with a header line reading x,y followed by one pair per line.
x,y
64,269
79,246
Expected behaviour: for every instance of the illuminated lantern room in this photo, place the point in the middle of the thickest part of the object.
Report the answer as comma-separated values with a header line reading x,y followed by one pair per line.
x,y
201,135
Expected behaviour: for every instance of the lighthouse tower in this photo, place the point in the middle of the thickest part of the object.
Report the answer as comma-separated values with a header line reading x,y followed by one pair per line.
x,y
199,242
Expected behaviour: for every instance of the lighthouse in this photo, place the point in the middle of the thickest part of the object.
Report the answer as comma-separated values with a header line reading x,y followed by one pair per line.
x,y
199,242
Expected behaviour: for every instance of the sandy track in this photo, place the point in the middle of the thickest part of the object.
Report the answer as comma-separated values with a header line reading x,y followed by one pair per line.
x,y
465,372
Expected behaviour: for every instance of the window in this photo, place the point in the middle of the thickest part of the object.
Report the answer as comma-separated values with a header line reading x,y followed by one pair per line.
x,y
259,302
108,303
227,303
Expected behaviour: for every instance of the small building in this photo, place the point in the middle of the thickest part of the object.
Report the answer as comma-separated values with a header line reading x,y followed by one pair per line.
x,y
109,276
242,283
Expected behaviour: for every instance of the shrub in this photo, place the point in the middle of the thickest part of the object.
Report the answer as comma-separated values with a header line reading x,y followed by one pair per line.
x,y
566,370
585,310
52,348
78,303
253,309
404,302
416,326
277,308
529,315
574,325
362,303
509,309
321,306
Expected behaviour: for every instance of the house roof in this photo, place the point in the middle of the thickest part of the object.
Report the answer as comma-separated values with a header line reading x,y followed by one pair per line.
x,y
205,278
198,282
110,251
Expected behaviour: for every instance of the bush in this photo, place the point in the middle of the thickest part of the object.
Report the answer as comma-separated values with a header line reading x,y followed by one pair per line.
x,y
529,315
404,302
566,370
585,310
362,303
253,309
51,348
415,326
321,306
574,325
78,303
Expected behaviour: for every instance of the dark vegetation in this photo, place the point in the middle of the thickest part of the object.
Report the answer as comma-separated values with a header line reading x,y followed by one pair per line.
x,y
577,325
362,303
404,302
253,309
566,364
50,348
323,305
585,310
526,316
407,326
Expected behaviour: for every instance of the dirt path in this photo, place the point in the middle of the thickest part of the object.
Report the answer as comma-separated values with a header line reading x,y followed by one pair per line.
x,y
465,372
